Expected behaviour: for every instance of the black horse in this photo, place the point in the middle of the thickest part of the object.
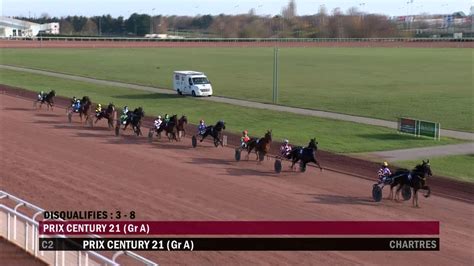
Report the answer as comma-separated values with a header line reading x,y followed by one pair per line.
x,y
134,118
415,179
46,98
109,114
214,131
305,155
170,128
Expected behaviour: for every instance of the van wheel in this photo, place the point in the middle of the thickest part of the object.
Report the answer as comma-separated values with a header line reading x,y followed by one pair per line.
x,y
193,93
179,92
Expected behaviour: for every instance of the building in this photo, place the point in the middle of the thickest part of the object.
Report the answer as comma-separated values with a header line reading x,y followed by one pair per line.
x,y
15,28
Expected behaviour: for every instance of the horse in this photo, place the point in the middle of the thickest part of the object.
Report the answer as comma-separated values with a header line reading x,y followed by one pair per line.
x,y
214,131
305,155
180,127
84,110
416,179
134,118
261,146
109,113
48,99
169,128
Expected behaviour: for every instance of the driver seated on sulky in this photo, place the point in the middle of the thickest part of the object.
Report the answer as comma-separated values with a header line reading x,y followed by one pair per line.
x,y
244,139
285,149
41,96
98,109
77,105
158,122
384,172
201,127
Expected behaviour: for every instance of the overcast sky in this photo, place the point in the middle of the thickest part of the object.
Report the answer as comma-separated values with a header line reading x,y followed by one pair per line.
x,y
194,7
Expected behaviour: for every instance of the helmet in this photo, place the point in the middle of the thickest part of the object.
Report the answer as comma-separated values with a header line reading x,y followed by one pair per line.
x,y
245,132
159,117
78,101
385,164
285,141
125,107
99,105
74,97
42,92
202,121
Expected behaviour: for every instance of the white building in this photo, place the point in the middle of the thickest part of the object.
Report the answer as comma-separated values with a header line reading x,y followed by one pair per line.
x,y
15,28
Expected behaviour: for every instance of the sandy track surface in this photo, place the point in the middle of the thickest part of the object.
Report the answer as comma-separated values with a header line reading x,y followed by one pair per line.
x,y
189,44
64,166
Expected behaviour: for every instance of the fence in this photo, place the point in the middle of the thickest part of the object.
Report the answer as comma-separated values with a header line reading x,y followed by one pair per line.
x,y
23,231
227,40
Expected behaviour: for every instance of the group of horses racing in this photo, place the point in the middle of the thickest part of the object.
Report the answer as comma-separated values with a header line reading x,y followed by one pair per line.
x,y
403,180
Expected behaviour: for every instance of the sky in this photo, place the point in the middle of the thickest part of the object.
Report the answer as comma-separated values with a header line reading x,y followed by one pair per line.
x,y
34,8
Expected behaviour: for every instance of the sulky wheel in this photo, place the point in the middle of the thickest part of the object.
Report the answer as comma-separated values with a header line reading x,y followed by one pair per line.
x,y
194,141
277,166
150,135
406,192
69,117
237,154
376,193
117,130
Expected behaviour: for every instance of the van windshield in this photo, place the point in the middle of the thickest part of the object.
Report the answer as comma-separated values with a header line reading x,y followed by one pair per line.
x,y
200,81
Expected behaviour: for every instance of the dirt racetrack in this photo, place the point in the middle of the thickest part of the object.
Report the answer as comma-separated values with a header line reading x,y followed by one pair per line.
x,y
61,166
193,44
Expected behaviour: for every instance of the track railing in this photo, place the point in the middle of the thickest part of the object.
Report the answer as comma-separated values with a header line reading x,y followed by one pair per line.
x,y
265,40
23,231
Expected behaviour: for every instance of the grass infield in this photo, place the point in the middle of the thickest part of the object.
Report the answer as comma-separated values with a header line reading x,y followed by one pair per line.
x,y
429,84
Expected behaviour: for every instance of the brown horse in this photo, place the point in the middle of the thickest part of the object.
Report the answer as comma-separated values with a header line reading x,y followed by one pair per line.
x,y
180,127
85,110
261,146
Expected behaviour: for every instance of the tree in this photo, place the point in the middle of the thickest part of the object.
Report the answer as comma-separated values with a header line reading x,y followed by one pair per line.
x,y
289,12
90,28
66,27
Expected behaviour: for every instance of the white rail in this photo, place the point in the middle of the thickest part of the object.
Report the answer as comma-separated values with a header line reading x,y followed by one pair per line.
x,y
29,239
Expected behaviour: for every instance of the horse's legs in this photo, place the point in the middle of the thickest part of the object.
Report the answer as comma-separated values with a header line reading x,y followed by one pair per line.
x,y
203,136
397,193
316,162
415,198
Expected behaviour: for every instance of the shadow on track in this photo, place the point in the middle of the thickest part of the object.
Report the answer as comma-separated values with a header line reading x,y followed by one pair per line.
x,y
341,200
17,109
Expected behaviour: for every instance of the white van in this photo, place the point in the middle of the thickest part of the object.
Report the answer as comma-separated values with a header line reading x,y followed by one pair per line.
x,y
191,83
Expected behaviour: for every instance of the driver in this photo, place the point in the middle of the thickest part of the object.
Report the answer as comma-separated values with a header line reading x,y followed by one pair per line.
x,y
201,127
124,115
158,122
285,148
384,172
244,139
77,106
41,96
98,109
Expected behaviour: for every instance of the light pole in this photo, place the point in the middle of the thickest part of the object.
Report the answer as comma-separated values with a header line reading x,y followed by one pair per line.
x,y
152,24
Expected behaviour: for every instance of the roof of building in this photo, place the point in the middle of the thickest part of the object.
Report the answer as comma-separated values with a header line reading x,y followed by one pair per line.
x,y
15,23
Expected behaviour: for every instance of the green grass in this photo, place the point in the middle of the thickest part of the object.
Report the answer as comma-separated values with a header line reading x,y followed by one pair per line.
x,y
429,84
336,136
458,166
